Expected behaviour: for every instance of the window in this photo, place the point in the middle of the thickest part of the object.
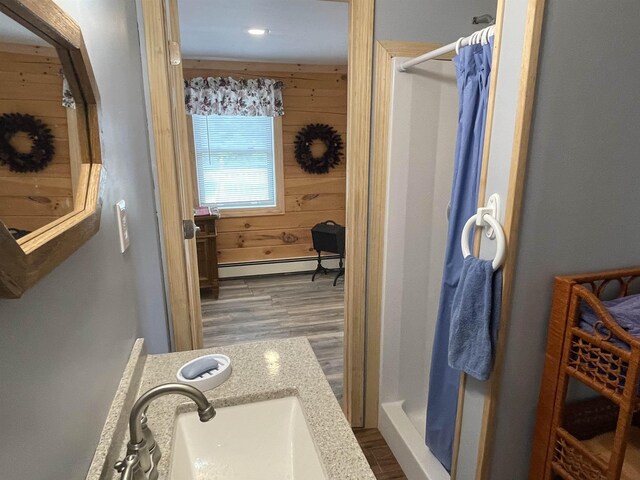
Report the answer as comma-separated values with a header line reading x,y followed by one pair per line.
x,y
239,163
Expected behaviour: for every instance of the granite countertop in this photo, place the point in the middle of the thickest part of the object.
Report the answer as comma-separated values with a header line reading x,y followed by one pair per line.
x,y
261,371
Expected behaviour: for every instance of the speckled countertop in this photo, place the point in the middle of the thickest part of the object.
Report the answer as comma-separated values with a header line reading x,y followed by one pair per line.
x,y
261,371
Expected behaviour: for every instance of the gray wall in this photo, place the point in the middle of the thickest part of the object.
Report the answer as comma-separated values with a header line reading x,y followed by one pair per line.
x,y
581,198
64,344
439,21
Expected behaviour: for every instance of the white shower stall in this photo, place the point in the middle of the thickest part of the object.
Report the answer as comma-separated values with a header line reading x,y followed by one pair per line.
x,y
422,138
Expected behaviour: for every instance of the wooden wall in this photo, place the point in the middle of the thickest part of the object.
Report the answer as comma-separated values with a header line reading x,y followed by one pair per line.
x,y
312,94
30,82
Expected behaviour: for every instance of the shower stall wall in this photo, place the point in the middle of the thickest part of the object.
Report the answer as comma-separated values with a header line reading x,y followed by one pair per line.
x,y
422,138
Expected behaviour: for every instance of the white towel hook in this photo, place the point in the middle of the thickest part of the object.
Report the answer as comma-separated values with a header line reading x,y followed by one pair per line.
x,y
486,217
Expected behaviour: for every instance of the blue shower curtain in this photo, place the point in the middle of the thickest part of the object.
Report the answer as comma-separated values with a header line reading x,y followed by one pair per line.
x,y
473,68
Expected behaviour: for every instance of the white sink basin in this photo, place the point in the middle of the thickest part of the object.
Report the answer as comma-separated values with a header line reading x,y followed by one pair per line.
x,y
262,441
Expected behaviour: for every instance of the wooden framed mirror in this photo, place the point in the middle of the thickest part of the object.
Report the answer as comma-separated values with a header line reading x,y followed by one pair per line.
x,y
50,163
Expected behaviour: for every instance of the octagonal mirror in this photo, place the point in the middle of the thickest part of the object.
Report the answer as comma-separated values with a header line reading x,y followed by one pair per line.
x,y
49,143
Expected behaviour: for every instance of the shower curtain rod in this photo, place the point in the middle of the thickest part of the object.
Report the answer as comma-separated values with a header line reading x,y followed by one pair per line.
x,y
476,37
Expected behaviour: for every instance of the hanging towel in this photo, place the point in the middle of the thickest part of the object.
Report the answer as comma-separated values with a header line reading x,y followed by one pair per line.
x,y
475,317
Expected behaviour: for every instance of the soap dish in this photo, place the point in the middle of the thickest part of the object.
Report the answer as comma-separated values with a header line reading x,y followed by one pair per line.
x,y
206,372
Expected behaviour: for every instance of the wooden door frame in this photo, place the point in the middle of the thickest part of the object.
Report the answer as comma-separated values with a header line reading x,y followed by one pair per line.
x,y
361,14
170,151
385,52
186,320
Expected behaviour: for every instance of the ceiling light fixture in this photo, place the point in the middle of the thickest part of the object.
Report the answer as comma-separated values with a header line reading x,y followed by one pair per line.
x,y
258,32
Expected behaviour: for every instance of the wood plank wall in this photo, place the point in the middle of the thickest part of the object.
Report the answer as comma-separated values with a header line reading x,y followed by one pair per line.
x,y
312,94
30,82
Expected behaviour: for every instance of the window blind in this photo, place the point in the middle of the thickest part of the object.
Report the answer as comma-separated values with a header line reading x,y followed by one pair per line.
x,y
235,161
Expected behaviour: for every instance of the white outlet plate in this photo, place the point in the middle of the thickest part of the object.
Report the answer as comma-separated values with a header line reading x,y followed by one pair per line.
x,y
123,229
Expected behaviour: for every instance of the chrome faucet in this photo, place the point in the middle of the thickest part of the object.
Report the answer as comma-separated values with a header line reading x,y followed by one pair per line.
x,y
143,454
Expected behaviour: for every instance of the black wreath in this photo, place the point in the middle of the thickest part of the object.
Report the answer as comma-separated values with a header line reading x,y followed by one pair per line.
x,y
326,135
42,149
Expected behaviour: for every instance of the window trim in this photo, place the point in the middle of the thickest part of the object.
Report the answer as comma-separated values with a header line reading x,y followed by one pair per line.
x,y
278,171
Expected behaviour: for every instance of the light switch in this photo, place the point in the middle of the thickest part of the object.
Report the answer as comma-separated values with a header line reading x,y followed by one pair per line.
x,y
123,230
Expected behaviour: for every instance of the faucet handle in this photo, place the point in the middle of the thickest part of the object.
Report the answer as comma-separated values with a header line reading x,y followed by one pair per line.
x,y
121,465
129,468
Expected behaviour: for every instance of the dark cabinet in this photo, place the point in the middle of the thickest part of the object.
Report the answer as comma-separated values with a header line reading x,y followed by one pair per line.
x,y
206,243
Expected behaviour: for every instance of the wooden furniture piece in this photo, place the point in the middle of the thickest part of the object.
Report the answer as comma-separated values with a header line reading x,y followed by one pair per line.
x,y
587,440
25,261
206,245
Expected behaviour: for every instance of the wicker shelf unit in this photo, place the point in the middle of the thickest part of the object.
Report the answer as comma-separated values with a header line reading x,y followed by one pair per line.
x,y
563,441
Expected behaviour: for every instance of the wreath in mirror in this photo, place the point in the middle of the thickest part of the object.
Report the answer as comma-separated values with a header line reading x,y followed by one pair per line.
x,y
304,146
41,151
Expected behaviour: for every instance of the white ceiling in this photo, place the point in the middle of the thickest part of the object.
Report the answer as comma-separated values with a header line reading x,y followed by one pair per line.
x,y
300,31
12,32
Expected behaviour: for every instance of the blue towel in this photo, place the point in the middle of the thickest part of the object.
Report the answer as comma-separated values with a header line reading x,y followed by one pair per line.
x,y
475,318
625,311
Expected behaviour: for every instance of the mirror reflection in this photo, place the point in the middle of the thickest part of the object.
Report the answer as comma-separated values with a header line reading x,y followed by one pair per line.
x,y
38,164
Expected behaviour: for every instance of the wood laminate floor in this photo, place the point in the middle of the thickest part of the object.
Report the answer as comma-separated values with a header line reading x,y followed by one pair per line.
x,y
380,457
280,306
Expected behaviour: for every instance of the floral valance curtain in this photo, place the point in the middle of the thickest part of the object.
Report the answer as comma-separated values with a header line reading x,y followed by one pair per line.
x,y
67,97
260,97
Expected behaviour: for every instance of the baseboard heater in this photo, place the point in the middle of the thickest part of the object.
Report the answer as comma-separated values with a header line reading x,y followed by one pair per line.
x,y
272,267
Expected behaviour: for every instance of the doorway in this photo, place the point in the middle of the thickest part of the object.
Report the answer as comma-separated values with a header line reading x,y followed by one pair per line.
x,y
162,38
258,87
